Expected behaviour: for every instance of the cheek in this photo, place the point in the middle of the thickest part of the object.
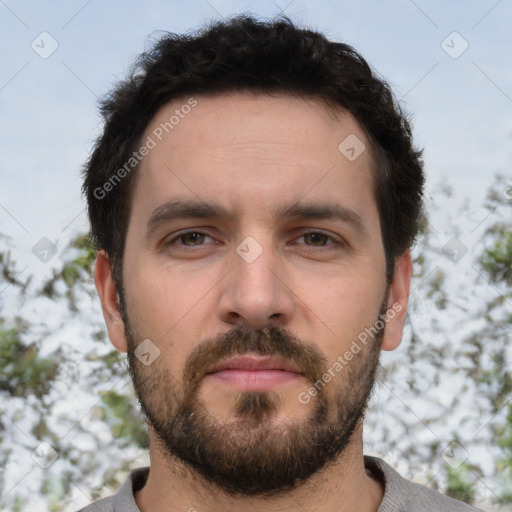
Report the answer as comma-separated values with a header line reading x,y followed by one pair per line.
x,y
149,305
160,296
340,308
169,308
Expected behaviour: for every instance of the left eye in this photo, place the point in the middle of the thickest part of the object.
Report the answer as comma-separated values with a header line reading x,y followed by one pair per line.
x,y
316,239
191,239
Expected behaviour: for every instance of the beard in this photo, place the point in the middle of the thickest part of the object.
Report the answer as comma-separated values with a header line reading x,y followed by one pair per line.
x,y
253,452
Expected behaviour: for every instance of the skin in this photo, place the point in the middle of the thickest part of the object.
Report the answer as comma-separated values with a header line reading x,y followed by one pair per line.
x,y
253,155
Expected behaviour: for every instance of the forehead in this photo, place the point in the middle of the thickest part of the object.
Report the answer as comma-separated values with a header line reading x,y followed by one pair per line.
x,y
266,119
244,149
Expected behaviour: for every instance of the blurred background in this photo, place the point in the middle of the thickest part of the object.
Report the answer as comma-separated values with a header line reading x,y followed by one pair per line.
x,y
442,412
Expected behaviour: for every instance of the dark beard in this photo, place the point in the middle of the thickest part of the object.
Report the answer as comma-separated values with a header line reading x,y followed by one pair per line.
x,y
251,453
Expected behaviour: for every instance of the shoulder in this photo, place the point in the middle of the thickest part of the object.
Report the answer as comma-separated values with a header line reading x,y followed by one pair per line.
x,y
104,505
401,495
124,500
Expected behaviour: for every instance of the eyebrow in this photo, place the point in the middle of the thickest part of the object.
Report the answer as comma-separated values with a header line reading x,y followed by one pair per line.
x,y
196,209
329,211
184,209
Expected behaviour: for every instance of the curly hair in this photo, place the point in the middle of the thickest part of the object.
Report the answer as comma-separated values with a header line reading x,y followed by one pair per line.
x,y
265,57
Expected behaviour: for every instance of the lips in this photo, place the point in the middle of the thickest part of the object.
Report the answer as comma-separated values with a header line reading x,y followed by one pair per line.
x,y
255,363
254,372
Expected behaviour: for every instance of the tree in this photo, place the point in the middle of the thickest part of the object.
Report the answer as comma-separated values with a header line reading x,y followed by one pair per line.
x,y
70,428
67,405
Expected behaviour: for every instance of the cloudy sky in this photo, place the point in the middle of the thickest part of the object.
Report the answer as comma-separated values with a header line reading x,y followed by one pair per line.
x,y
449,62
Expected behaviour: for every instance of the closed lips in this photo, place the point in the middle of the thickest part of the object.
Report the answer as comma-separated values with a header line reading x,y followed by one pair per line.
x,y
255,363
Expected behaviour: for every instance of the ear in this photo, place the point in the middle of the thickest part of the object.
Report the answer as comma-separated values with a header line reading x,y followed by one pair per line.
x,y
109,301
397,302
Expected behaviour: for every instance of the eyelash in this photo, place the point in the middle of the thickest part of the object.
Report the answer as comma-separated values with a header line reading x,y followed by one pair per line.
x,y
333,240
183,234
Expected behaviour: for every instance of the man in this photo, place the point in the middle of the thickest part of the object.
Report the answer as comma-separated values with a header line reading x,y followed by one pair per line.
x,y
254,196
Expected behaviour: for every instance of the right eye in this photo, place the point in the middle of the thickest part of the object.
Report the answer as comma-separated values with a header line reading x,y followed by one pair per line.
x,y
189,239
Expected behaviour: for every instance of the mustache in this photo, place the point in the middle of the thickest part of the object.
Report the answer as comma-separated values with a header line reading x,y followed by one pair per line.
x,y
268,341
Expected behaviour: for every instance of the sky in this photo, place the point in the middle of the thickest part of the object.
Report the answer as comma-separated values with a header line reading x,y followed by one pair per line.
x,y
449,63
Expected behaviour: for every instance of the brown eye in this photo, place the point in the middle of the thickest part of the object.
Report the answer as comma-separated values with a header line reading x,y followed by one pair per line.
x,y
192,239
316,239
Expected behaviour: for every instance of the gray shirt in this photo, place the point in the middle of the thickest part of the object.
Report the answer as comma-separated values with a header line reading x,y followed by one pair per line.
x,y
400,495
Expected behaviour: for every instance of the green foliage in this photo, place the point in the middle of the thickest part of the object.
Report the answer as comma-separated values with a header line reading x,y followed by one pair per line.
x,y
505,434
114,362
459,485
83,262
8,272
124,419
111,365
22,370
504,463
18,504
496,380
77,271
497,260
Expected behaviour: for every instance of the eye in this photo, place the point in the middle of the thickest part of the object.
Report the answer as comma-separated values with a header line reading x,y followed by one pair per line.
x,y
316,239
190,239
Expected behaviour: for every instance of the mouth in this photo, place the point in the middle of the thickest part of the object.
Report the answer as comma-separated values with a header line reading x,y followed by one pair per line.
x,y
254,372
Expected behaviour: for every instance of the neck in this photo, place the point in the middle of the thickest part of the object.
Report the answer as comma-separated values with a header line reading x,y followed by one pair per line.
x,y
343,486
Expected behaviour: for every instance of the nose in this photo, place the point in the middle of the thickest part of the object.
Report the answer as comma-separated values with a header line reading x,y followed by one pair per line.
x,y
255,293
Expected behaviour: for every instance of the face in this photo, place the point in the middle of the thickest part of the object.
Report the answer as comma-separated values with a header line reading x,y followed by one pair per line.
x,y
253,262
